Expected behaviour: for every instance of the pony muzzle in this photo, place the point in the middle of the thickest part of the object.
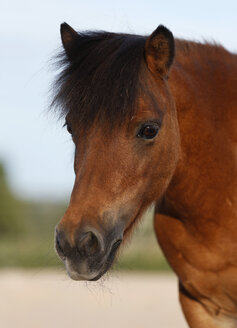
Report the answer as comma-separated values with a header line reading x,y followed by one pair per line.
x,y
90,255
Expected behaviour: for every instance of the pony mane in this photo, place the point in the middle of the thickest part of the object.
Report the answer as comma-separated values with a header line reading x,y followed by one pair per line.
x,y
102,81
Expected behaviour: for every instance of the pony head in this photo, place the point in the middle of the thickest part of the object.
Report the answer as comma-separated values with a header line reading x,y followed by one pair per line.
x,y
113,92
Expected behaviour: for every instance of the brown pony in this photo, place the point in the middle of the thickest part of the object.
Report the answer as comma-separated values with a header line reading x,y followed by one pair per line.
x,y
151,129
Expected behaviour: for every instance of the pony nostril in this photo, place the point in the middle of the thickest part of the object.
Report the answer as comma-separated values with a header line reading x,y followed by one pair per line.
x,y
88,245
59,246
116,245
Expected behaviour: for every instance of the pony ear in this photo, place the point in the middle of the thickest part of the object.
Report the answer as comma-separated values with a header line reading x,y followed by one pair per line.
x,y
69,40
159,51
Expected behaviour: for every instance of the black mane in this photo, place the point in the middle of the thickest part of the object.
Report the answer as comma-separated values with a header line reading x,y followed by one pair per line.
x,y
102,81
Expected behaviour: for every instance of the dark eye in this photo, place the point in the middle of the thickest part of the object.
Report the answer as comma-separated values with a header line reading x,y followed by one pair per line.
x,y
68,127
148,131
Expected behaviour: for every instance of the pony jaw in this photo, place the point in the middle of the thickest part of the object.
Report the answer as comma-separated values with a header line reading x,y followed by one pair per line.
x,y
74,275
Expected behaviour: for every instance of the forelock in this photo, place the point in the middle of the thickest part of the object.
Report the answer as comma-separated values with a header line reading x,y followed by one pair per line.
x,y
103,81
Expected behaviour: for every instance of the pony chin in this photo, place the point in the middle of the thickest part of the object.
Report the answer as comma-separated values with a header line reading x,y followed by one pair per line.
x,y
83,276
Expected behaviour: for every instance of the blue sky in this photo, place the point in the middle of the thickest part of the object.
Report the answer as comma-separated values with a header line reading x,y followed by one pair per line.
x,y
37,152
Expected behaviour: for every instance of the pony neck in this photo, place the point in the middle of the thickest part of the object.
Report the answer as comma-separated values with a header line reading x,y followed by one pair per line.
x,y
202,187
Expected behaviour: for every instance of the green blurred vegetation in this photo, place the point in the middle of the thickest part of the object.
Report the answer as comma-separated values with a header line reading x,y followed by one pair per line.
x,y
27,235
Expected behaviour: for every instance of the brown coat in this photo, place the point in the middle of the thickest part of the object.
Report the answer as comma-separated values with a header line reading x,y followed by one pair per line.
x,y
199,231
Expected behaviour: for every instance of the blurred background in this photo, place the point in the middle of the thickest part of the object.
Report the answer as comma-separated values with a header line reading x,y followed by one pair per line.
x,y
36,153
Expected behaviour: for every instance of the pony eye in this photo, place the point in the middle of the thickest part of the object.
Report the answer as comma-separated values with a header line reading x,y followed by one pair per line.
x,y
68,128
148,131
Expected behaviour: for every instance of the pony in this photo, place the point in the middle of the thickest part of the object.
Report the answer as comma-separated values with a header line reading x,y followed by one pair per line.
x,y
153,120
